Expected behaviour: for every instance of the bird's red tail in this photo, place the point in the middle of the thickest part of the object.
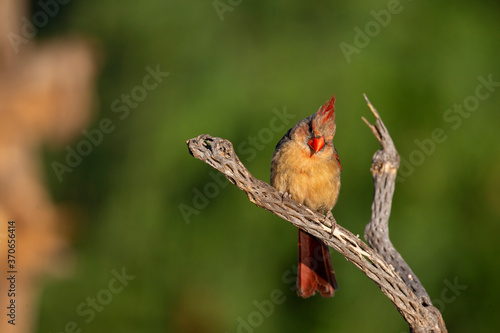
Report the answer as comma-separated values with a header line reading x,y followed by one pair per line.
x,y
315,268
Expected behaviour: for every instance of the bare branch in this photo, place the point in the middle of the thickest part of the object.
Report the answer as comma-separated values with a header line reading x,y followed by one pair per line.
x,y
220,154
384,169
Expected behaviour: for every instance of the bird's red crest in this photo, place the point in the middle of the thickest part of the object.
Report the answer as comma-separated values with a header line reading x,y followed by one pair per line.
x,y
327,111
323,121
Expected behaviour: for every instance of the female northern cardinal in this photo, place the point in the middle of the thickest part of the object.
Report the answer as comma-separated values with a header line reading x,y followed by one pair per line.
x,y
305,166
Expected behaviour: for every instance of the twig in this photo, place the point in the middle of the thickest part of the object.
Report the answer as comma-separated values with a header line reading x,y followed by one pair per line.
x,y
219,154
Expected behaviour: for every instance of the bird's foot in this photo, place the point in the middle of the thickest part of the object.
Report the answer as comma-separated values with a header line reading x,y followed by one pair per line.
x,y
285,195
333,223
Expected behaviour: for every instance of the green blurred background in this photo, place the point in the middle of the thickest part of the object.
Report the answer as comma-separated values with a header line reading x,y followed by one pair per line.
x,y
206,270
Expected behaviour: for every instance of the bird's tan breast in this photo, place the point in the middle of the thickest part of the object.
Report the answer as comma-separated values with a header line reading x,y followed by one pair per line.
x,y
311,180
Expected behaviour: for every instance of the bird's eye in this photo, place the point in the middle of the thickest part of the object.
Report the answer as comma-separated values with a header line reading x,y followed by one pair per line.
x,y
313,131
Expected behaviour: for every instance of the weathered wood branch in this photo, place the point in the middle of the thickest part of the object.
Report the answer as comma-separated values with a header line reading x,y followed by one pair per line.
x,y
385,164
407,294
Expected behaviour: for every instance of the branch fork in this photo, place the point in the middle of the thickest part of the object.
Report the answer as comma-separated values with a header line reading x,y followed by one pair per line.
x,y
378,259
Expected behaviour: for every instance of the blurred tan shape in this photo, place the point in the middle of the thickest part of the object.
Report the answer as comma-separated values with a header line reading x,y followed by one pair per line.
x,y
46,97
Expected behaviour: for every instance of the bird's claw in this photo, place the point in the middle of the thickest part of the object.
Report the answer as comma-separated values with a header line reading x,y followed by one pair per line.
x,y
285,195
333,223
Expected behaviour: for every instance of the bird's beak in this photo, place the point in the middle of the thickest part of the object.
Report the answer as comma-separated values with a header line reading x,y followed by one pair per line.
x,y
316,143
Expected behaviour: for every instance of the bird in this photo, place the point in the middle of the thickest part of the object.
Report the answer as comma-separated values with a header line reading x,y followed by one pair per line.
x,y
305,167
